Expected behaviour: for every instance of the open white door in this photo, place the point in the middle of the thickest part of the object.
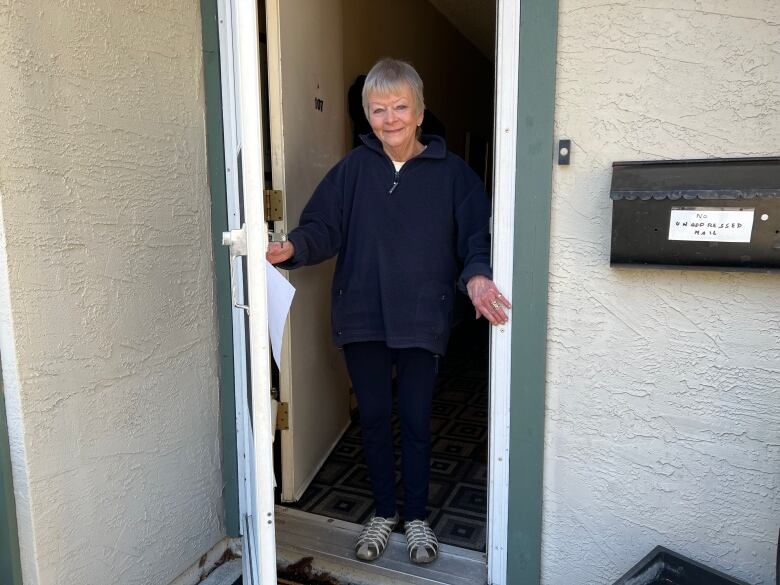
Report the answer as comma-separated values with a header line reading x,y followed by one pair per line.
x,y
304,47
242,121
307,103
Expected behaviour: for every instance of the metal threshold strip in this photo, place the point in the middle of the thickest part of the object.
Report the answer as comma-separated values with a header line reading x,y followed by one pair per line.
x,y
331,544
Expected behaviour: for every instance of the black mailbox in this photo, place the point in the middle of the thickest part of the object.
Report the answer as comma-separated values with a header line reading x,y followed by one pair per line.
x,y
712,213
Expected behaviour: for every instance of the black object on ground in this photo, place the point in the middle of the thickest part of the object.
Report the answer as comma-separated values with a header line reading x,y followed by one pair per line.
x,y
665,567
302,573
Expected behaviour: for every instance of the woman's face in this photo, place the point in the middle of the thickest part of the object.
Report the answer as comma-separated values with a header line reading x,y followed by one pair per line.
x,y
394,119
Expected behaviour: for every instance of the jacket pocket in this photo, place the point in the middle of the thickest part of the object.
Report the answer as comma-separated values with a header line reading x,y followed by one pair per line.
x,y
353,309
435,302
339,309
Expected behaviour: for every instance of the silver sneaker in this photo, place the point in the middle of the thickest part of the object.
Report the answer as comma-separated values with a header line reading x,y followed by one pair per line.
x,y
373,538
421,542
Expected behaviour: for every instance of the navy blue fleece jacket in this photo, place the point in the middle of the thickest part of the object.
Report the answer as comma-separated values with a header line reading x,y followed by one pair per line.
x,y
403,239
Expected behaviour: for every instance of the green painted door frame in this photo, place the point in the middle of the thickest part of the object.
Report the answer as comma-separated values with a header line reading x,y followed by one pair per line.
x,y
536,98
533,196
219,223
10,565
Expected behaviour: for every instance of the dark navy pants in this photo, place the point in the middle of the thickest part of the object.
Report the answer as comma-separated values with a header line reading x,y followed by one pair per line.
x,y
370,366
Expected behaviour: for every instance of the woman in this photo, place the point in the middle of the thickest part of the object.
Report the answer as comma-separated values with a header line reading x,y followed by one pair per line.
x,y
408,221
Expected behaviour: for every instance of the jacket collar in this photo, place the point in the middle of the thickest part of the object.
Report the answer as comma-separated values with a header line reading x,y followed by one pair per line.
x,y
435,145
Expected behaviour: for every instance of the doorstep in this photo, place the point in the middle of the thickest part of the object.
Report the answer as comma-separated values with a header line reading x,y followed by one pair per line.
x,y
331,543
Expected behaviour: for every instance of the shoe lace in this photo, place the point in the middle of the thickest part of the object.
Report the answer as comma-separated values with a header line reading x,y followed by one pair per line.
x,y
376,532
418,533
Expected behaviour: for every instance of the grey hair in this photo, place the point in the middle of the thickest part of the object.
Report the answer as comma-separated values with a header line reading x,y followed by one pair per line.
x,y
389,76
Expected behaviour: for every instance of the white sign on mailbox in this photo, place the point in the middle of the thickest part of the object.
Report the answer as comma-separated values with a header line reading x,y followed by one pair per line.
x,y
711,224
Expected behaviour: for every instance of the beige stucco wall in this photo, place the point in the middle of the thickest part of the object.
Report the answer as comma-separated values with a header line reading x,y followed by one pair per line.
x,y
105,214
663,422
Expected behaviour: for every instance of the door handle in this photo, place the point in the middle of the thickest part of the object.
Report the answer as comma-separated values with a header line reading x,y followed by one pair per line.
x,y
236,240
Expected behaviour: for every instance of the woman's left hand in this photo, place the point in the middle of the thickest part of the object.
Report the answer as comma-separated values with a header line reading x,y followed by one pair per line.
x,y
487,300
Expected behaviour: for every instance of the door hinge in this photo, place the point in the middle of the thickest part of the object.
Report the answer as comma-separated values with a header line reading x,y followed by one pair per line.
x,y
283,416
274,205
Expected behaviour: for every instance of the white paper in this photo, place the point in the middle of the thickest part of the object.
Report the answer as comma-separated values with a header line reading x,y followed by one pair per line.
x,y
711,224
280,296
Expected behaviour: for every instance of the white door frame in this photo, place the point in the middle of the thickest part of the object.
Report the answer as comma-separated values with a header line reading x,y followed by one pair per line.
x,y
238,21
231,129
504,176
232,140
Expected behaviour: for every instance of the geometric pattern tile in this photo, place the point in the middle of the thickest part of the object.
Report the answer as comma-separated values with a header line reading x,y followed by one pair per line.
x,y
446,410
466,497
438,424
438,492
469,431
444,466
460,530
474,413
356,480
336,471
477,474
343,505
447,447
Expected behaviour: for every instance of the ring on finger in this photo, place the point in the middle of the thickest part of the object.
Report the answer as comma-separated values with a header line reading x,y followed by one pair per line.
x,y
494,304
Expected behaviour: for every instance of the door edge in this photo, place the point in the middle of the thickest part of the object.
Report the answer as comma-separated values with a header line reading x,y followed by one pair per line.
x,y
500,380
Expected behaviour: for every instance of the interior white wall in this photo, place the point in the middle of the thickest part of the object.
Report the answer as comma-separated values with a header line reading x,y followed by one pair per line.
x,y
663,413
113,407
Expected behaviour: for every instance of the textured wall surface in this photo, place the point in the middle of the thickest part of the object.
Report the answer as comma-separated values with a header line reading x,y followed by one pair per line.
x,y
105,204
663,403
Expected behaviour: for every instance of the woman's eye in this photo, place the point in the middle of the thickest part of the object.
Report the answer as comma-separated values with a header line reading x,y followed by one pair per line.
x,y
378,111
401,108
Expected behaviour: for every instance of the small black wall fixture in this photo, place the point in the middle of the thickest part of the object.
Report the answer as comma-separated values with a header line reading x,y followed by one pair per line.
x,y
712,213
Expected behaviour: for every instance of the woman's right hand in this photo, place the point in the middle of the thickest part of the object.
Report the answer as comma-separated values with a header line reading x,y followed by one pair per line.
x,y
487,300
279,252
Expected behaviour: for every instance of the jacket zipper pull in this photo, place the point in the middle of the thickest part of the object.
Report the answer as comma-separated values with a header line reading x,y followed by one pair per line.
x,y
395,184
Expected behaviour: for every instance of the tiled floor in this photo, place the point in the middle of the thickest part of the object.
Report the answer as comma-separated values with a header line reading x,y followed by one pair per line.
x,y
458,496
